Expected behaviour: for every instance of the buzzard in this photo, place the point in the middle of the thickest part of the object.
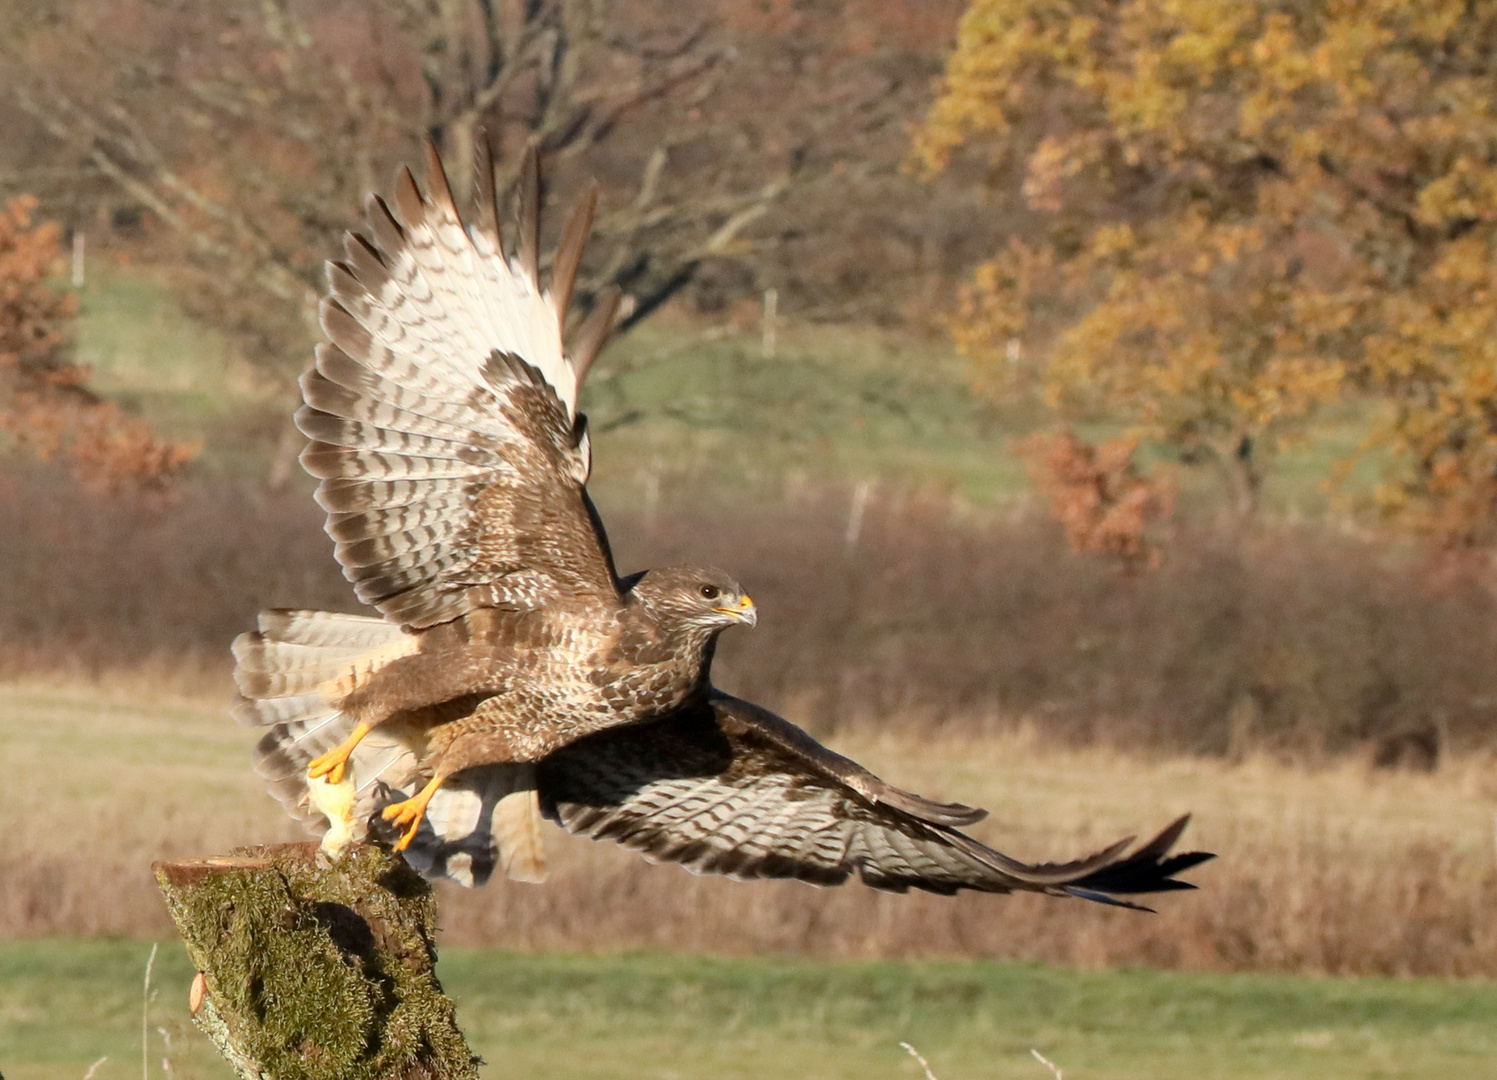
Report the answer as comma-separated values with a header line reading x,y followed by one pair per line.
x,y
512,674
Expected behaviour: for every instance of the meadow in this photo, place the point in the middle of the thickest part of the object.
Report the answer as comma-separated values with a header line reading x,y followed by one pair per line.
x,y
951,643
1335,870
681,403
64,1005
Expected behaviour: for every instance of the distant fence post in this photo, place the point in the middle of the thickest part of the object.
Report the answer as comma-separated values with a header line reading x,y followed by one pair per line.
x,y
771,323
652,496
79,240
323,972
855,511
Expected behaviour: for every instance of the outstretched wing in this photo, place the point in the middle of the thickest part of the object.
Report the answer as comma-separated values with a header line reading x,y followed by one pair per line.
x,y
730,788
443,410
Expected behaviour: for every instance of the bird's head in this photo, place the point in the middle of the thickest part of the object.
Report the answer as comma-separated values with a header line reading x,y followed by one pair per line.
x,y
701,598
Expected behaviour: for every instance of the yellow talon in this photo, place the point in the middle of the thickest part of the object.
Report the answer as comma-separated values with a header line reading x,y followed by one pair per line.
x,y
408,814
332,763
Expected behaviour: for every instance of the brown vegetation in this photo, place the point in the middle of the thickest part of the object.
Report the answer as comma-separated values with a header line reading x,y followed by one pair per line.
x,y
46,407
1098,495
1337,869
1294,639
958,656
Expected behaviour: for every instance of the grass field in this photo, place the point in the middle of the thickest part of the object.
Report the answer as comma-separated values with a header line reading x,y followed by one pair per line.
x,y
674,399
679,402
1336,869
65,1004
1330,868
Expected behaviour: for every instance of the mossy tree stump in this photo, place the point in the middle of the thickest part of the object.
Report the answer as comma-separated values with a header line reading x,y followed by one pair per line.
x,y
310,971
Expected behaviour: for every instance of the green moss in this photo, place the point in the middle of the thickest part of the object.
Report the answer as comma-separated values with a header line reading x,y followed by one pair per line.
x,y
320,972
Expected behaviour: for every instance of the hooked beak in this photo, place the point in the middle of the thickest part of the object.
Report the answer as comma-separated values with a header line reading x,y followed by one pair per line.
x,y
744,612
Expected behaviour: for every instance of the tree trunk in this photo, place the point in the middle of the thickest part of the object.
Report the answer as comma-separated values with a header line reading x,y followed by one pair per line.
x,y
1237,462
316,972
1249,478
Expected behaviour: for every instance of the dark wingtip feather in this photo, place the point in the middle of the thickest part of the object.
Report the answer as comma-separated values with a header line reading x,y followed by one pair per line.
x,y
439,190
569,253
409,202
388,233
1103,898
937,813
486,192
1150,869
1166,839
592,335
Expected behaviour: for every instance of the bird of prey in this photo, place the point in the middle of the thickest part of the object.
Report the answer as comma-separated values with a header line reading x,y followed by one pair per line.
x,y
511,674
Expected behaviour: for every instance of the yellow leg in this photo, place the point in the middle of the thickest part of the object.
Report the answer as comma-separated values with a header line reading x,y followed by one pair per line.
x,y
332,763
408,814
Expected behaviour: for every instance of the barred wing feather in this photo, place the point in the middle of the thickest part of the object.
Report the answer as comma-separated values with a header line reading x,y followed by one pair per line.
x,y
729,788
443,416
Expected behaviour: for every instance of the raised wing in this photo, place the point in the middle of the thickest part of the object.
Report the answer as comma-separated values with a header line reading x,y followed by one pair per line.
x,y
730,788
443,410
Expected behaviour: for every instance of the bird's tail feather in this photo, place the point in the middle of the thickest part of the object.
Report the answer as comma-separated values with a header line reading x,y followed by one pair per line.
x,y
291,674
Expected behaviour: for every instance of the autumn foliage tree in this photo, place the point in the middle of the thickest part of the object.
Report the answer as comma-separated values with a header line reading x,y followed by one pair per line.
x,y
46,407
1096,492
1241,211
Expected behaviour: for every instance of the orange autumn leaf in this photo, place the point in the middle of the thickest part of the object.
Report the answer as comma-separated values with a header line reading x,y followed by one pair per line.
x,y
1101,501
46,407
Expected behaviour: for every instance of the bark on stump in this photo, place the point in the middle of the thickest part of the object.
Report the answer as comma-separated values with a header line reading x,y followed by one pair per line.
x,y
316,972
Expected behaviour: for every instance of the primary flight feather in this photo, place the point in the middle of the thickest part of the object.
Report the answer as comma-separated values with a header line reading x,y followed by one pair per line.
x,y
512,675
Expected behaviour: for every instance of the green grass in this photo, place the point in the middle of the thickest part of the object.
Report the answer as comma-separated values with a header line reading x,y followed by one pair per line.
x,y
65,1004
144,353
834,403
671,397
690,403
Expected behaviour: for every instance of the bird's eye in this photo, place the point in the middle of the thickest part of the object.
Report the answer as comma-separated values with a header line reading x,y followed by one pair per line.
x,y
711,592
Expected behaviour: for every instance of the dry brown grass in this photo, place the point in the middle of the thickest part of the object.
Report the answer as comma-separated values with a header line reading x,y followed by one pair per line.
x,y
1296,639
1339,869
103,780
972,659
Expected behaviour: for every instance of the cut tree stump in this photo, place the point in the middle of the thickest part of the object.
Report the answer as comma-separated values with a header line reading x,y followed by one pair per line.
x,y
316,971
